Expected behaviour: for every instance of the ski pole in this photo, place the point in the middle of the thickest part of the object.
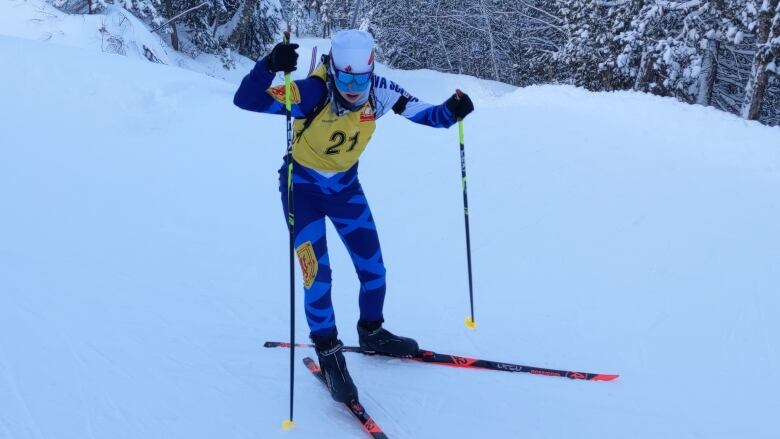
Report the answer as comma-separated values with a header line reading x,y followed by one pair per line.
x,y
288,424
470,323
313,60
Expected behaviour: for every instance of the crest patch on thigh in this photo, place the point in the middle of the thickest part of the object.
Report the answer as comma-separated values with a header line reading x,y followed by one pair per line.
x,y
308,261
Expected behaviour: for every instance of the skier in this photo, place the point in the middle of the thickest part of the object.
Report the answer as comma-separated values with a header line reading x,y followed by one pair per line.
x,y
335,110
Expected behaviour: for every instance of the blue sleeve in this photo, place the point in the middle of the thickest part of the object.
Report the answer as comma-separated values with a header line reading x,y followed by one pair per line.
x,y
438,116
393,97
253,94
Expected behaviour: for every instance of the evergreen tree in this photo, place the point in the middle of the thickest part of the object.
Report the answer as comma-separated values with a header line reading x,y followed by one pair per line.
x,y
256,31
668,45
591,50
765,61
724,53
248,27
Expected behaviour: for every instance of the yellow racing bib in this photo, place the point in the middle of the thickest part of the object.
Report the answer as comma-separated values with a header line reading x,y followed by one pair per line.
x,y
331,142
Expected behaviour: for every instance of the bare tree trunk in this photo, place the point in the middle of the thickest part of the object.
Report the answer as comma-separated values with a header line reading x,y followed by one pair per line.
x,y
755,89
642,77
441,40
358,7
496,76
174,37
709,69
168,5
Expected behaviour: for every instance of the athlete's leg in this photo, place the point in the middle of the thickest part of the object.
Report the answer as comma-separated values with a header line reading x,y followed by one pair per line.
x,y
353,220
355,224
312,251
313,191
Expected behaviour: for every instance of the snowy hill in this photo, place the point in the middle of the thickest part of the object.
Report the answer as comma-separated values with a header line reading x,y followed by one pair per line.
x,y
143,260
116,31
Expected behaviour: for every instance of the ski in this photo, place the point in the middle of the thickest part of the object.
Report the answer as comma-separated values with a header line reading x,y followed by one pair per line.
x,y
354,406
431,357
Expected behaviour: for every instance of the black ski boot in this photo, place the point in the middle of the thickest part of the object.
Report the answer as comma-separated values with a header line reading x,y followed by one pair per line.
x,y
334,368
374,338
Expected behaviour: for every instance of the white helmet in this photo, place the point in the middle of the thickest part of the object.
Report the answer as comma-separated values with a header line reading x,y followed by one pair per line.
x,y
352,51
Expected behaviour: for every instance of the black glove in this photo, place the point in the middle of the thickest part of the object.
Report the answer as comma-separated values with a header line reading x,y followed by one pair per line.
x,y
283,58
460,104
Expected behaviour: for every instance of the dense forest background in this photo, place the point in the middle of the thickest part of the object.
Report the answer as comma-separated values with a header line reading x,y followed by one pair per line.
x,y
722,53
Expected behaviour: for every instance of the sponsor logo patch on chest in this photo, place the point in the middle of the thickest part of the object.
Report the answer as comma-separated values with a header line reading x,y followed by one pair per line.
x,y
367,114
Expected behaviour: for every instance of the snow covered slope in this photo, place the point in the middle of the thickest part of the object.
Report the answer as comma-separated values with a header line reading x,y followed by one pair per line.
x,y
115,31
143,259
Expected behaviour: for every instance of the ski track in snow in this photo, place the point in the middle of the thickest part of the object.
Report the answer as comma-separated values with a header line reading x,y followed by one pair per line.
x,y
19,398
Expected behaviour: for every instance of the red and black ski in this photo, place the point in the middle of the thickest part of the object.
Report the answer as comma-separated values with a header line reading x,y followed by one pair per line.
x,y
355,407
470,363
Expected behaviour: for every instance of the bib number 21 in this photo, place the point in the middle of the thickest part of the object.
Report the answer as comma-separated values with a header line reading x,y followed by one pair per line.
x,y
339,138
